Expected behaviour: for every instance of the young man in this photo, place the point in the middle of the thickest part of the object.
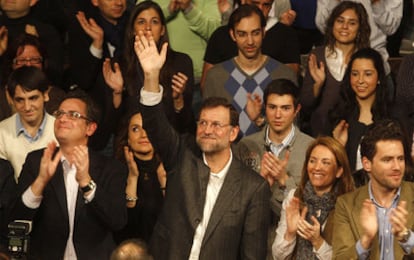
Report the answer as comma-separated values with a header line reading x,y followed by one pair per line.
x,y
376,220
250,71
215,207
75,197
30,128
280,40
277,152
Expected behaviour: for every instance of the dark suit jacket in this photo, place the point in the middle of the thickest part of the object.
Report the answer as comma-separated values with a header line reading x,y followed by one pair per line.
x,y
94,221
239,222
347,229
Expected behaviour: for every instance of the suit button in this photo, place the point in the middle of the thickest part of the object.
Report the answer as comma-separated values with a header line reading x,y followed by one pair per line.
x,y
197,221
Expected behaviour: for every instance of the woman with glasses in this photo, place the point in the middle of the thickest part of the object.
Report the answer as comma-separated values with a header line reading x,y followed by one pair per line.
x,y
347,31
306,224
176,75
146,181
27,50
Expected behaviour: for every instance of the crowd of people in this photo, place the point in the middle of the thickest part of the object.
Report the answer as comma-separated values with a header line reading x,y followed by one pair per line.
x,y
190,129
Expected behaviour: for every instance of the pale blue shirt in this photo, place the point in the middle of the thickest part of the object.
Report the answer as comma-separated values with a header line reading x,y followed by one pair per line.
x,y
21,130
385,236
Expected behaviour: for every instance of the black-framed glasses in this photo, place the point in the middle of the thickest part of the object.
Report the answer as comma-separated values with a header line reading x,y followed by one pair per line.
x,y
31,61
217,126
73,115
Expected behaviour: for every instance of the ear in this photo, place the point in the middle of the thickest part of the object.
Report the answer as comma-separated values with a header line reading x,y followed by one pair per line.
x,y
298,108
366,164
163,31
91,128
234,132
46,94
231,31
8,97
33,2
95,3
339,172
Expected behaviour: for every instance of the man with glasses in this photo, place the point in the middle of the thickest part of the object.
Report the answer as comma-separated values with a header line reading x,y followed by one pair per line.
x,y
30,128
75,197
215,207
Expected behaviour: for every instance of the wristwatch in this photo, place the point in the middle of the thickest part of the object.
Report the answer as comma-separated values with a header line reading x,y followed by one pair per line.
x,y
90,186
405,235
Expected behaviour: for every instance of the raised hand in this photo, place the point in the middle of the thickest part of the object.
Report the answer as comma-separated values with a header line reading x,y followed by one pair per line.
x,y
340,132
146,50
253,106
179,82
310,232
369,223
4,39
92,29
273,169
398,219
223,6
173,6
48,164
80,158
113,77
132,165
292,218
288,17
317,72
31,29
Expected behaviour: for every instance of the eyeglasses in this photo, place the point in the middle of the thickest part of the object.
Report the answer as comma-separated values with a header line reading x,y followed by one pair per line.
x,y
217,126
31,61
72,115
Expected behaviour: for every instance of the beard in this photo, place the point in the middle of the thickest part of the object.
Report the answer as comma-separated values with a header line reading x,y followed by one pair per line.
x,y
209,144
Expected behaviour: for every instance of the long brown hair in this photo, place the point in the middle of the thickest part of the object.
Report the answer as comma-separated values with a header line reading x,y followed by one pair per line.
x,y
343,184
364,30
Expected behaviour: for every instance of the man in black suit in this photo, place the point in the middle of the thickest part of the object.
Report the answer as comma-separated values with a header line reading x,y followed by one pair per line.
x,y
215,207
75,197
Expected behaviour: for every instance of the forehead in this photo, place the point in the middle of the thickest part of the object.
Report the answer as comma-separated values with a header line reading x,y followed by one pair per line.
x,y
28,50
73,104
136,119
102,3
277,99
259,2
392,148
219,114
22,93
322,152
150,12
248,23
349,13
363,63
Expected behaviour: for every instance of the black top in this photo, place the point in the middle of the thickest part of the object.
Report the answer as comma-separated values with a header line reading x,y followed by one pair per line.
x,y
280,43
142,218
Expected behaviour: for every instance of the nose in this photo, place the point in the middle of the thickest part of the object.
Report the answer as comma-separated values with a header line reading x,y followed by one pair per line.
x,y
250,39
345,25
396,164
278,112
27,105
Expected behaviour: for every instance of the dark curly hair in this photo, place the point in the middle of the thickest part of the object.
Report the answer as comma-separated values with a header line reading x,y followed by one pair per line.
x,y
364,30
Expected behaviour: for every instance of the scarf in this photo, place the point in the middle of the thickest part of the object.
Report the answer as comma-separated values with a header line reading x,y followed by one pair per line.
x,y
318,206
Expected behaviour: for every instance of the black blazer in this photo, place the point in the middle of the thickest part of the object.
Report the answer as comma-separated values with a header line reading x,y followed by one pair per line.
x,y
94,221
239,222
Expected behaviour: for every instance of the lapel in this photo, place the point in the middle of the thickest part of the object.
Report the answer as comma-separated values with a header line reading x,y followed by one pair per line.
x,y
230,188
58,185
408,196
